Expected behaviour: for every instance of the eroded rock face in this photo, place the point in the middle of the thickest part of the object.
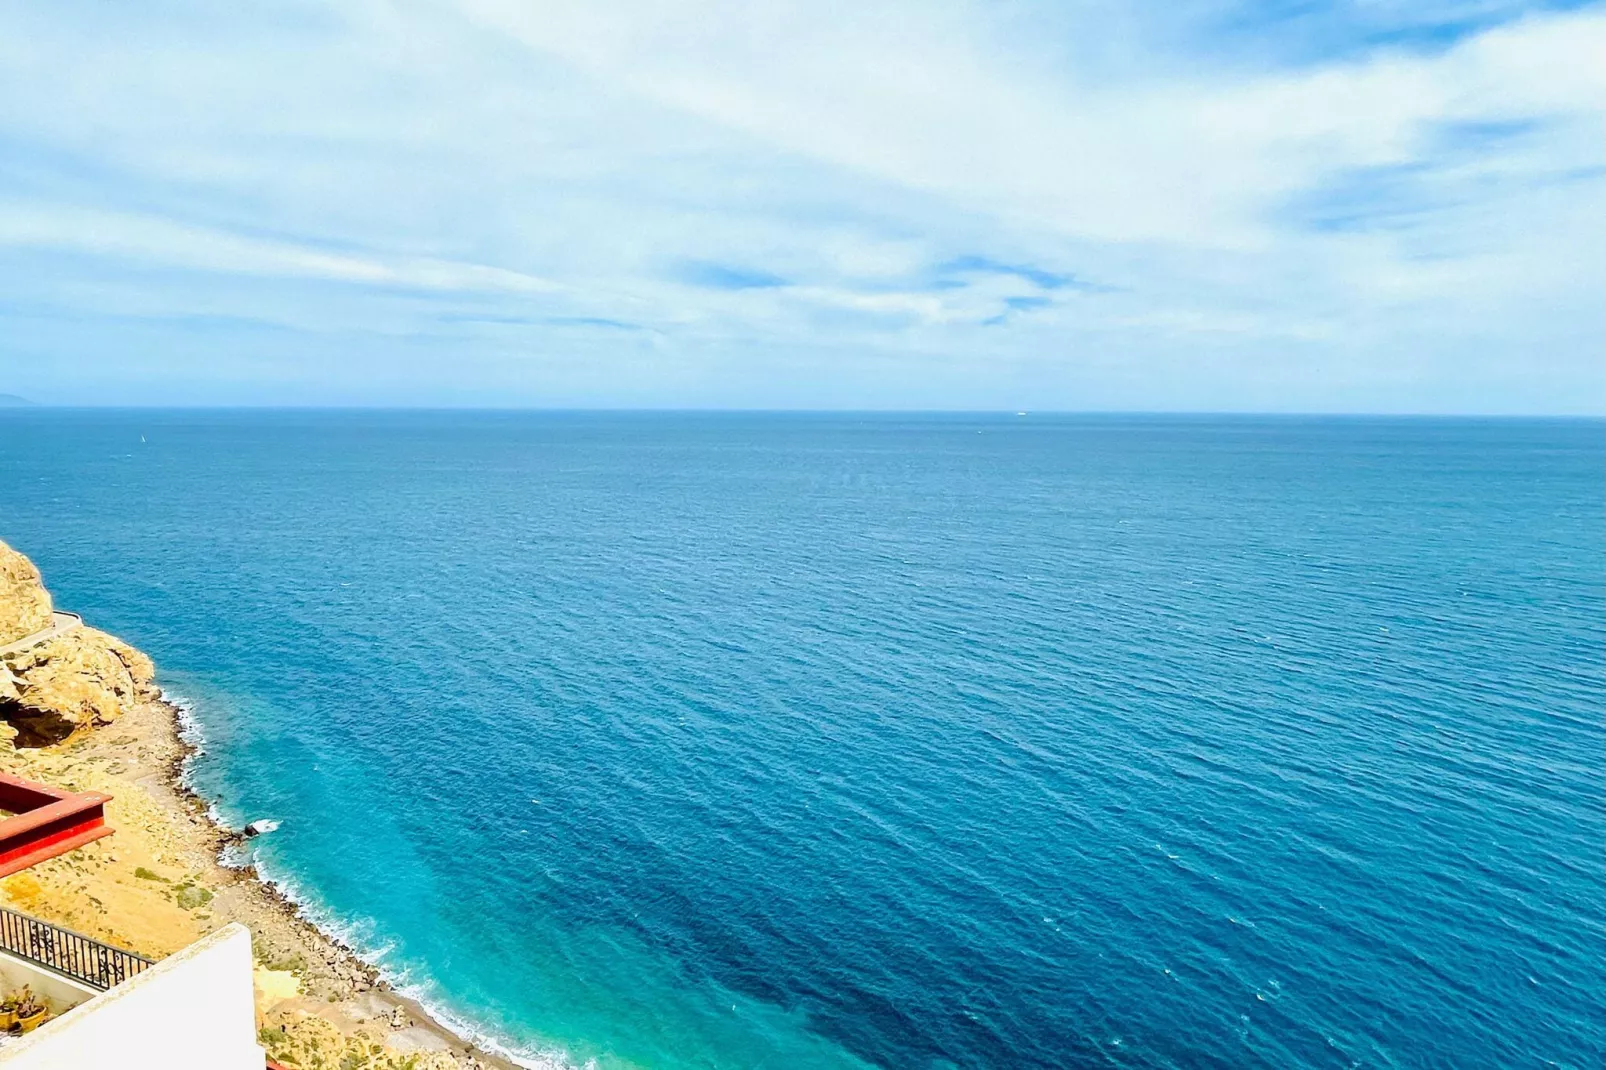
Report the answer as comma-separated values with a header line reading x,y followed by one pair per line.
x,y
78,679
24,602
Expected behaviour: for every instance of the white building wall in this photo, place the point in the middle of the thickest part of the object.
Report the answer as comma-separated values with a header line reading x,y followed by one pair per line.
x,y
59,993
191,1011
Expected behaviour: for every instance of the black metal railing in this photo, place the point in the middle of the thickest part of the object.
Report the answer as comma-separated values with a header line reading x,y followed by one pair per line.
x,y
66,952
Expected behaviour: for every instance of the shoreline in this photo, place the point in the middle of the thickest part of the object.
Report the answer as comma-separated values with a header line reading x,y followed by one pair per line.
x,y
163,880
185,728
188,734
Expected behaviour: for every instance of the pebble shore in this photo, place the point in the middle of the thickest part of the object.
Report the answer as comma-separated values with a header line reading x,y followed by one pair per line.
x,y
158,883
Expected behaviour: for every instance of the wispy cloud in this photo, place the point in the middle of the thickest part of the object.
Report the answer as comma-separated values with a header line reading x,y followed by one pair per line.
x,y
972,265
145,239
1210,204
726,277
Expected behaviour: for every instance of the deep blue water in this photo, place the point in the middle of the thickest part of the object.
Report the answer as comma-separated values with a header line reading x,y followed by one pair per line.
x,y
900,741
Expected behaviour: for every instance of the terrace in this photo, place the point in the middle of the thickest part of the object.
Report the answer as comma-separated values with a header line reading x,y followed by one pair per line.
x,y
105,1005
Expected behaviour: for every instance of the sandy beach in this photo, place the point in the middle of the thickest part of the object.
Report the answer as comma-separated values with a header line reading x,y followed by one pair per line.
x,y
157,885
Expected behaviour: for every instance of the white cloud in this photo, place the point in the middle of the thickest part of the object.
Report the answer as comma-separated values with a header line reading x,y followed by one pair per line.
x,y
912,101
157,240
522,170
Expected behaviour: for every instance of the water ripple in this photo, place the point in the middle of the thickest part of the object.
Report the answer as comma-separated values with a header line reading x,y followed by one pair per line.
x,y
729,741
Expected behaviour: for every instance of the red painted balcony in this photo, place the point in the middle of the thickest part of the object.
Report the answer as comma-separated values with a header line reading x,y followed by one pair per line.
x,y
46,822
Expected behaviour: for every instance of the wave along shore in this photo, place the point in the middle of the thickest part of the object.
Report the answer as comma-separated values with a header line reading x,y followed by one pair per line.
x,y
80,710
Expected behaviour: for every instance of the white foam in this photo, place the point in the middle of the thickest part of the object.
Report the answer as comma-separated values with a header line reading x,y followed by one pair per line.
x,y
193,737
362,938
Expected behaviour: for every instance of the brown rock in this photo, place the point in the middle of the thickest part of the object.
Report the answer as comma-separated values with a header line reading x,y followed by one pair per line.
x,y
78,679
24,602
141,669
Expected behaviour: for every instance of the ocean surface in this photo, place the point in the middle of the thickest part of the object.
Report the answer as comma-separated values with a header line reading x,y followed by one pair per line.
x,y
892,741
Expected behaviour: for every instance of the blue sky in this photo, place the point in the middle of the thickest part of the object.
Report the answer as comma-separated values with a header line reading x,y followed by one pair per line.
x,y
1374,206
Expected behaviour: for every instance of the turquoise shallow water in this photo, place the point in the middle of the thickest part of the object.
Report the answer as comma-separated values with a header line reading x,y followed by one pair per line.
x,y
914,741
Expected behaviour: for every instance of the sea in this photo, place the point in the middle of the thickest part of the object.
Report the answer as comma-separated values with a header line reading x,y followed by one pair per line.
x,y
741,740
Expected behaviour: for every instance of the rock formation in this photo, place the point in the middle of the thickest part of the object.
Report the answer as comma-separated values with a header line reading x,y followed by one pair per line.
x,y
74,680
24,602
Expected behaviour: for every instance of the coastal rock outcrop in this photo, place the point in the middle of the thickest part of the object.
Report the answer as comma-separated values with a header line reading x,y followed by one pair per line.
x,y
64,682
24,602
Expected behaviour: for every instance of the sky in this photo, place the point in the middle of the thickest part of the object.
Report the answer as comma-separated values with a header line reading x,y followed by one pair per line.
x,y
1199,205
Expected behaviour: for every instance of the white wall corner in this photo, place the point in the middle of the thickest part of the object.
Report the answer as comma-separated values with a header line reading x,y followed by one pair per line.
x,y
192,1011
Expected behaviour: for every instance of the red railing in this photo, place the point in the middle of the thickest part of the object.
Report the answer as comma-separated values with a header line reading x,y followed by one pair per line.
x,y
46,822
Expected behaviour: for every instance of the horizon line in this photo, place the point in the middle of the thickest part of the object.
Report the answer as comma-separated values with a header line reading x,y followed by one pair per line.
x,y
32,406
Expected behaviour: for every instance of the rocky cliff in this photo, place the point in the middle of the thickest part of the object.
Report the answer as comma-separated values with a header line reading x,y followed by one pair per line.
x,y
64,682
24,602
